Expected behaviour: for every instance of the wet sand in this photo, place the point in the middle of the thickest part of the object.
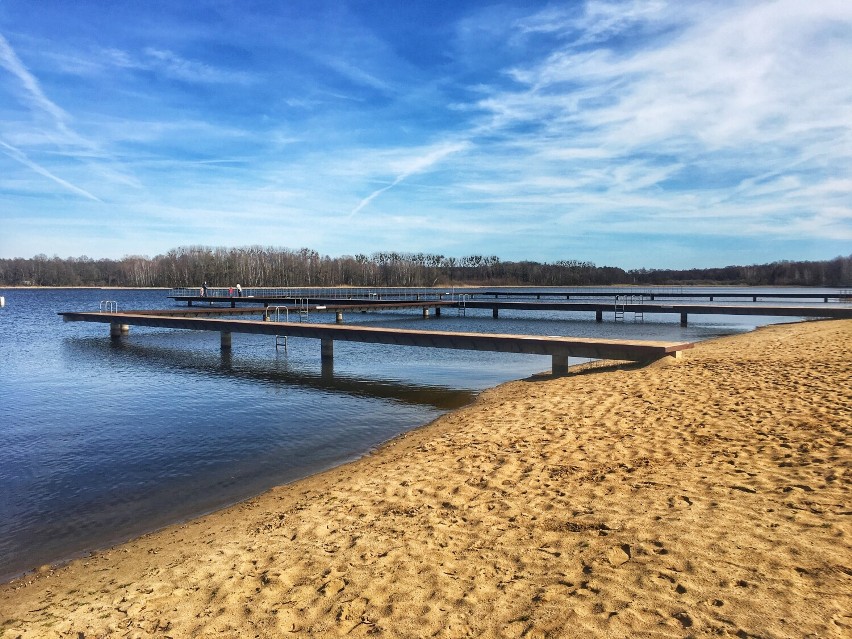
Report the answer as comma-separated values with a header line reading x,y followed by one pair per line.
x,y
706,496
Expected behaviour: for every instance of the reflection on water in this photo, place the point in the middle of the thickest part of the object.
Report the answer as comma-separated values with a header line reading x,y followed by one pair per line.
x,y
277,371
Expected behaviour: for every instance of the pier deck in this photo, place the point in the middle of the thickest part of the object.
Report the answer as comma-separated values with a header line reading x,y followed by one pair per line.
x,y
559,348
270,305
624,303
754,296
684,310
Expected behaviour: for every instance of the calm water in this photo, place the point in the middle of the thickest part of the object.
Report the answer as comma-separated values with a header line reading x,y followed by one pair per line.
x,y
102,439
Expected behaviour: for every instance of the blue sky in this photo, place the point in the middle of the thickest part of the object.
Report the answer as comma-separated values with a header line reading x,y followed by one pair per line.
x,y
635,134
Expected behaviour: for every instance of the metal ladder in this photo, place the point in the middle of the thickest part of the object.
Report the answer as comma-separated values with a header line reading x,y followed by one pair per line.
x,y
108,306
462,307
639,316
280,340
302,304
619,309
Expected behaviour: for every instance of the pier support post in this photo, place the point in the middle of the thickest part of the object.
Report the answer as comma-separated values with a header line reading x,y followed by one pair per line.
x,y
560,364
326,350
339,317
117,330
327,357
437,311
225,342
683,319
599,315
425,312
494,313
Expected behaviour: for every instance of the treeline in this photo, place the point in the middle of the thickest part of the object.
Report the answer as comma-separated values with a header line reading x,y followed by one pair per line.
x,y
263,266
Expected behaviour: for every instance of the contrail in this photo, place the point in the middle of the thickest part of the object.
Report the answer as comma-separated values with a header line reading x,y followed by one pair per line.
x,y
10,60
417,165
17,155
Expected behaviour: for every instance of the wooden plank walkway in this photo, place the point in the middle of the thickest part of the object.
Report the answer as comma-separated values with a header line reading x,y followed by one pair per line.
x,y
831,311
684,310
559,348
316,306
839,295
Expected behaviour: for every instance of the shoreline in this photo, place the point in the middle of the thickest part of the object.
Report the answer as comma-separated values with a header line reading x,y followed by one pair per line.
x,y
702,495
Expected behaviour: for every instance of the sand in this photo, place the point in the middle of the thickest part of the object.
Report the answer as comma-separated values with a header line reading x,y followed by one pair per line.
x,y
703,496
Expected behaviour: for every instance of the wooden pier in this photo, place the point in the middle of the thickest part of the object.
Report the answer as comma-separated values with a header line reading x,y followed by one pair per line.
x,y
619,304
273,306
684,310
650,294
558,348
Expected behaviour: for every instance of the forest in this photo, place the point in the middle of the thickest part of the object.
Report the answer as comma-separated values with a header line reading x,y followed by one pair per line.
x,y
281,267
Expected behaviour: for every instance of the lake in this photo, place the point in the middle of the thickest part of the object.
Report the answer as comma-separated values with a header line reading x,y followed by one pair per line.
x,y
102,440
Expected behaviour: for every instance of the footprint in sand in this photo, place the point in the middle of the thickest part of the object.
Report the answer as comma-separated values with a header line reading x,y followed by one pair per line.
x,y
684,619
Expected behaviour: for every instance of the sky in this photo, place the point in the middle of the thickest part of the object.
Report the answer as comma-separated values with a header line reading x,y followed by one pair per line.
x,y
646,134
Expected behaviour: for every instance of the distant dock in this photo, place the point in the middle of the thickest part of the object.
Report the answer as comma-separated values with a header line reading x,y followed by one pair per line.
x,y
599,302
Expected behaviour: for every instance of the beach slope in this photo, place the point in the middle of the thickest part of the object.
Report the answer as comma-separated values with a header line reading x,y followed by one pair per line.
x,y
705,496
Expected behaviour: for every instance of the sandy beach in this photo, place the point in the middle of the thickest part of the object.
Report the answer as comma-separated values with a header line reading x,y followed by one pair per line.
x,y
705,496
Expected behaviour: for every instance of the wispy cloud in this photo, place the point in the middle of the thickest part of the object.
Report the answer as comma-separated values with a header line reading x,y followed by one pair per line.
x,y
178,67
755,86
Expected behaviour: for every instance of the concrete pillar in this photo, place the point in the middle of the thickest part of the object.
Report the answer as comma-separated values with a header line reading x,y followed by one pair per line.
x,y
225,340
754,299
683,319
494,313
326,351
437,311
599,315
560,364
425,312
339,317
118,330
